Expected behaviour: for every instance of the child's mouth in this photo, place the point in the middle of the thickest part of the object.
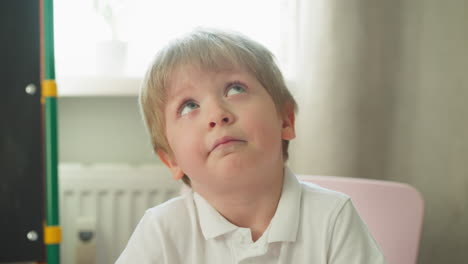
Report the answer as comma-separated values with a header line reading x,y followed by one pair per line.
x,y
225,141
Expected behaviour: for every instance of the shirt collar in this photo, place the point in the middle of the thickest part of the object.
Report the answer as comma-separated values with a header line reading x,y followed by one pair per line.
x,y
285,223
212,223
283,226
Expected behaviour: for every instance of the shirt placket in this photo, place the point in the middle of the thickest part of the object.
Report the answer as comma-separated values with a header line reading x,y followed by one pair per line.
x,y
244,250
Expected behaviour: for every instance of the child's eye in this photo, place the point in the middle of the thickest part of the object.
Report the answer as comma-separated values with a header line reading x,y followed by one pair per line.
x,y
235,89
188,107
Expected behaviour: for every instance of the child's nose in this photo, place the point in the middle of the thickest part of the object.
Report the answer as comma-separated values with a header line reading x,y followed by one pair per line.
x,y
220,117
225,120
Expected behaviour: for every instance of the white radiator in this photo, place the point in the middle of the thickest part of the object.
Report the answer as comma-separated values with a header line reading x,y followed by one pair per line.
x,y
102,204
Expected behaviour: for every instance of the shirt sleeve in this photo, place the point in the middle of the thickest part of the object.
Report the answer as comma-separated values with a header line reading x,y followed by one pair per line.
x,y
351,241
145,245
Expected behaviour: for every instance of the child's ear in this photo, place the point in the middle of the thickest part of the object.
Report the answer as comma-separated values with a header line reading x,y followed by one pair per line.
x,y
170,162
288,131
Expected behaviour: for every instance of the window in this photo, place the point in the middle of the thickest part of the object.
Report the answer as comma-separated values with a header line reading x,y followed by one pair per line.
x,y
143,26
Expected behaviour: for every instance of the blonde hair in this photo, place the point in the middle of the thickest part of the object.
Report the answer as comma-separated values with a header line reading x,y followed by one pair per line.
x,y
208,49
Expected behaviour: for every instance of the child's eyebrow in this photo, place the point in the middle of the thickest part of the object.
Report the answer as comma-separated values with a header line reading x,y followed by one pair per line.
x,y
178,91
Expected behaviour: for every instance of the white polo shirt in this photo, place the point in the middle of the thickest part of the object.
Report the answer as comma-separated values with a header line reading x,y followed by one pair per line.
x,y
310,225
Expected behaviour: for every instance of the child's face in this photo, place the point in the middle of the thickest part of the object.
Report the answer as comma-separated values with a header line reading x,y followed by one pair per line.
x,y
220,125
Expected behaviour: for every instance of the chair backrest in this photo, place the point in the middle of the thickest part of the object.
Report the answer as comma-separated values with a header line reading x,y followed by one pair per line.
x,y
392,211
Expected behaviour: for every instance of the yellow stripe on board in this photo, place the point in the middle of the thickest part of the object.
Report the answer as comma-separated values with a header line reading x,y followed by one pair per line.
x,y
49,88
52,235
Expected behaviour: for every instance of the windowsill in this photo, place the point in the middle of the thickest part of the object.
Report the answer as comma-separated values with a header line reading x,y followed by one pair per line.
x,y
94,85
70,86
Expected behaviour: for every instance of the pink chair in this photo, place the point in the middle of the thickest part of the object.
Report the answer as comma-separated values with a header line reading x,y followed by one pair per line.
x,y
392,211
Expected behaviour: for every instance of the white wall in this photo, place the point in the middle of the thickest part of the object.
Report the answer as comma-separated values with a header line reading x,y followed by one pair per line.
x,y
102,129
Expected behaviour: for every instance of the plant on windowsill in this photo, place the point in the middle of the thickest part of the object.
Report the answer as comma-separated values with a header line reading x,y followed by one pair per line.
x,y
111,55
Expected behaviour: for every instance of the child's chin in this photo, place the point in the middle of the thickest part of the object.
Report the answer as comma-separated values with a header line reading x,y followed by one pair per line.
x,y
234,162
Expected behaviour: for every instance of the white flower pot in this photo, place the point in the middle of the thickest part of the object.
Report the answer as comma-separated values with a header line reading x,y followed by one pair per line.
x,y
111,57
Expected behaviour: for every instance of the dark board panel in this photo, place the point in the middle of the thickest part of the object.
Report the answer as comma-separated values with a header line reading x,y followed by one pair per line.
x,y
21,170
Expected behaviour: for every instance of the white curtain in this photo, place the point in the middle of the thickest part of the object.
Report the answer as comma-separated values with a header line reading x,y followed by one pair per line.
x,y
382,91
344,60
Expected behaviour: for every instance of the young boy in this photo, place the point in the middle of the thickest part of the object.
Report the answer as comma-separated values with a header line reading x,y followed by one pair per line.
x,y
220,117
